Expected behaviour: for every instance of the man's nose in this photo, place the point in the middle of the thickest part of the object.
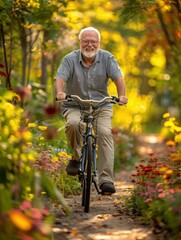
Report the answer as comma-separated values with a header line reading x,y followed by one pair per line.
x,y
90,43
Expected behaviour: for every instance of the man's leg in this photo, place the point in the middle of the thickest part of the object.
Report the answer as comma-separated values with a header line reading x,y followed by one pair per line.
x,y
103,128
73,130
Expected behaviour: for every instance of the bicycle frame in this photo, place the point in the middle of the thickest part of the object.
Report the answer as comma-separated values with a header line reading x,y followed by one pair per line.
x,y
89,134
87,175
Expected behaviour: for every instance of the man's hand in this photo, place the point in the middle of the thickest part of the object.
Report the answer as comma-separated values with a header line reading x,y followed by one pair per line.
x,y
123,99
61,96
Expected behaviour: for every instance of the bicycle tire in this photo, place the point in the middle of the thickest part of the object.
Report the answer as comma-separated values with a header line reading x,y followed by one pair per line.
x,y
83,186
88,179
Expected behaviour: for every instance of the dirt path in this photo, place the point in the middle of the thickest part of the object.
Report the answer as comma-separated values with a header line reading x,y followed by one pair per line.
x,y
107,219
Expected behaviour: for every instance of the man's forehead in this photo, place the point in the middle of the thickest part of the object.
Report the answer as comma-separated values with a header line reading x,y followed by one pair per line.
x,y
90,33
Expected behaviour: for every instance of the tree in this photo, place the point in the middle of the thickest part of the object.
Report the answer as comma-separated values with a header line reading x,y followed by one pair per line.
x,y
162,20
32,22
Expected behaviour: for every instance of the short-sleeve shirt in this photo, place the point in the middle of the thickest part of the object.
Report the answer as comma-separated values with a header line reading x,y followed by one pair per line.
x,y
92,82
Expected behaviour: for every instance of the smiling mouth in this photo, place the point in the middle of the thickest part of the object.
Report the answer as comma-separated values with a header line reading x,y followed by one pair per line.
x,y
90,49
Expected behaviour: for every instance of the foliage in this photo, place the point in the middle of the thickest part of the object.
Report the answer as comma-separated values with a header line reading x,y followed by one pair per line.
x,y
161,19
135,114
53,165
26,222
18,182
125,150
157,192
142,48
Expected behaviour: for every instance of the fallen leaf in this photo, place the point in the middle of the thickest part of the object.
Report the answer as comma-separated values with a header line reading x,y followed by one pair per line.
x,y
74,232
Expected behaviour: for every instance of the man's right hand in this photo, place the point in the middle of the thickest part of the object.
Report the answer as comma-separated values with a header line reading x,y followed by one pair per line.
x,y
61,96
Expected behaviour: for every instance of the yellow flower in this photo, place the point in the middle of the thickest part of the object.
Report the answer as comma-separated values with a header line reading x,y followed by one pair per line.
x,y
30,197
31,125
62,154
178,138
21,221
54,159
26,135
5,131
168,124
177,129
166,115
28,189
23,157
169,171
175,156
27,169
42,128
170,143
162,169
40,138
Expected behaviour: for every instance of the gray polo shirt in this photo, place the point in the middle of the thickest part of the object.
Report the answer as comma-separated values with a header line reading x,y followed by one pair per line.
x,y
88,83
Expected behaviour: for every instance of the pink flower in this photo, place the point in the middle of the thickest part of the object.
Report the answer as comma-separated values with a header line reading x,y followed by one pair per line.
x,y
148,200
25,205
159,185
161,195
171,191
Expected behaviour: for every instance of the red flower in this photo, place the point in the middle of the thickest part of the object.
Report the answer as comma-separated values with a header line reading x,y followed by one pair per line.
x,y
2,65
3,74
50,133
50,110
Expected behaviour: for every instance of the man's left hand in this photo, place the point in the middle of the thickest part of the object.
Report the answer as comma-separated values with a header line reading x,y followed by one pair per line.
x,y
123,99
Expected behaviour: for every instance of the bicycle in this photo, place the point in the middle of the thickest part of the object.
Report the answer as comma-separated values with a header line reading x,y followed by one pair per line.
x,y
88,168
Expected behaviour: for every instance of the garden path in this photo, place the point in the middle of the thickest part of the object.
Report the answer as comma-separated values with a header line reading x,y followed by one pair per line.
x,y
107,219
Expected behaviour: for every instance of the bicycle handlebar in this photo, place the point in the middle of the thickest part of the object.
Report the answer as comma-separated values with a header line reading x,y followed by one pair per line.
x,y
109,99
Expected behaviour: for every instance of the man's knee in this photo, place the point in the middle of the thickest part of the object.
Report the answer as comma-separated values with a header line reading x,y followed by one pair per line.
x,y
72,123
105,131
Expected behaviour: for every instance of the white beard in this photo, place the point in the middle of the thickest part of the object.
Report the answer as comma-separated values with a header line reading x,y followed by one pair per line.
x,y
89,54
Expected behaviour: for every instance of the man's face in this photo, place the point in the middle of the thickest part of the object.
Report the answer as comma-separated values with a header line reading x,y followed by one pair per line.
x,y
89,43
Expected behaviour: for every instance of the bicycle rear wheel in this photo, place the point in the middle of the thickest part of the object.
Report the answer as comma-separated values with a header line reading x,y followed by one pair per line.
x,y
87,180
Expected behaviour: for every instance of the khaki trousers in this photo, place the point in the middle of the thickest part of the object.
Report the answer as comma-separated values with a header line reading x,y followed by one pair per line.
x,y
103,129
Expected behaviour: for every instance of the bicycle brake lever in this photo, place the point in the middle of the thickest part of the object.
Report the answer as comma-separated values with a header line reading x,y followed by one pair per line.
x,y
68,98
114,99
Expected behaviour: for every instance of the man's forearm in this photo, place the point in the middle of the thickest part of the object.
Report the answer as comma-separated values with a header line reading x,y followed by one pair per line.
x,y
121,88
59,85
59,89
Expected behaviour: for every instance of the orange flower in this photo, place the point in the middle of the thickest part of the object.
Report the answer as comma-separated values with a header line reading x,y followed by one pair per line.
x,y
21,221
170,143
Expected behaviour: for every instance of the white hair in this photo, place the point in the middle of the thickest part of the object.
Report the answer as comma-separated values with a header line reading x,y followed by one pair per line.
x,y
90,28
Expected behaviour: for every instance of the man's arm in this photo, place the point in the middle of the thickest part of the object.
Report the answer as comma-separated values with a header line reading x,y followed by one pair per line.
x,y
121,90
59,89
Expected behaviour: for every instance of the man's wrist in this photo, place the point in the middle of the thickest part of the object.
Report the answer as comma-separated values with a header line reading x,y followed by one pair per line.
x,y
61,95
123,99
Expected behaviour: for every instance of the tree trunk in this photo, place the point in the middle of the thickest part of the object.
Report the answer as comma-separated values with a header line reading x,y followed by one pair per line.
x,y
8,83
23,40
44,61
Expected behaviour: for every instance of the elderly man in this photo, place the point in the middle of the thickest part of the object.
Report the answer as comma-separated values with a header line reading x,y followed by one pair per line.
x,y
85,72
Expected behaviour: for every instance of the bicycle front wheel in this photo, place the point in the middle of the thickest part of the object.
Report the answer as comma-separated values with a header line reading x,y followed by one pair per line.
x,y
88,178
